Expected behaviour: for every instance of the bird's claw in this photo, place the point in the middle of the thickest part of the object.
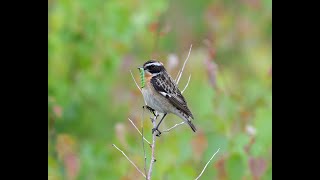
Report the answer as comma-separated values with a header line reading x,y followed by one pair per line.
x,y
159,132
150,109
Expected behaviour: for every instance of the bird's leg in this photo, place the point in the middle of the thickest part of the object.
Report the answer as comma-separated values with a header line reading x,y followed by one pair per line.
x,y
150,109
156,129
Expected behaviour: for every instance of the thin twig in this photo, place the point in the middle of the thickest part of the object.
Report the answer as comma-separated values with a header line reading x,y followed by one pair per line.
x,y
135,82
186,84
207,164
152,148
144,150
184,64
167,130
139,132
129,160
177,77
144,154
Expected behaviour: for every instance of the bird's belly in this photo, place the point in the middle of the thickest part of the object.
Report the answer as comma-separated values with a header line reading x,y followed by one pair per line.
x,y
155,102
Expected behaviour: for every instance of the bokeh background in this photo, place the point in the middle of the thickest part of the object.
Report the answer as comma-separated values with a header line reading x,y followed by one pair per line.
x,y
93,45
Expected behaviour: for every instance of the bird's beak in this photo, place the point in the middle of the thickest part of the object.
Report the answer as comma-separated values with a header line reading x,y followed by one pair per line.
x,y
141,67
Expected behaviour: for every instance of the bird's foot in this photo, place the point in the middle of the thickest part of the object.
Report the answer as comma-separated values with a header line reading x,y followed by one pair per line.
x,y
150,109
156,129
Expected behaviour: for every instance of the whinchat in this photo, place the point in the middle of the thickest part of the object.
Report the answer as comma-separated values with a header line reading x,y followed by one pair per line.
x,y
162,94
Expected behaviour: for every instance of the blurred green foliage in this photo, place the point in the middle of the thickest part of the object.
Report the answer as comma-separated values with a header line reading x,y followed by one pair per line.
x,y
94,44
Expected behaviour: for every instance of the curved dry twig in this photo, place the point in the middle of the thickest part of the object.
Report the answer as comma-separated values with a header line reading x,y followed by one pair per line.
x,y
177,77
135,82
139,131
167,130
186,84
129,160
207,164
184,65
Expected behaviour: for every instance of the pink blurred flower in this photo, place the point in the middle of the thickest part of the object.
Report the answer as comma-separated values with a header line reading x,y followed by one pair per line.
x,y
57,111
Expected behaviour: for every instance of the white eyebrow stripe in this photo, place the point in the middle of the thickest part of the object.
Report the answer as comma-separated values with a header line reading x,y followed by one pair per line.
x,y
155,74
164,94
155,63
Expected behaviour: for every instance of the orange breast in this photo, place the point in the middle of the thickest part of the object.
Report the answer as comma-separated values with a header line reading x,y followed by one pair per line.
x,y
147,76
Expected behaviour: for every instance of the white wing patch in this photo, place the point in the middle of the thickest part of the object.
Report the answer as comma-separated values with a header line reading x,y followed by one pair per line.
x,y
164,94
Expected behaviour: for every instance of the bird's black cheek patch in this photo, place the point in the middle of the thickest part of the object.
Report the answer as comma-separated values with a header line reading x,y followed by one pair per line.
x,y
155,69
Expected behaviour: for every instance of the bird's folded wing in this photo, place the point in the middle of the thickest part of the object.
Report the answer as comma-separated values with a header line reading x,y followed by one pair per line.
x,y
172,93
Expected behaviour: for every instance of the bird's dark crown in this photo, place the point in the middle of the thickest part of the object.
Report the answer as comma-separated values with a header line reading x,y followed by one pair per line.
x,y
153,66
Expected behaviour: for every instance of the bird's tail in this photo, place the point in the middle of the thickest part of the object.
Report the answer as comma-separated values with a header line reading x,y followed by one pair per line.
x,y
192,126
187,119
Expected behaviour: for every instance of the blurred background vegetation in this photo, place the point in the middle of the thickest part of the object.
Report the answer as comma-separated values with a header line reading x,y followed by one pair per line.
x,y
93,45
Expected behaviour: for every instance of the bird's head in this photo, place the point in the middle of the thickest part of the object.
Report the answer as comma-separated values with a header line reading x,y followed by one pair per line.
x,y
153,67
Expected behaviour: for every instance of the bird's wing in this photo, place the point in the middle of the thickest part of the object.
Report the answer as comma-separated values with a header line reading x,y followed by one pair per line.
x,y
165,86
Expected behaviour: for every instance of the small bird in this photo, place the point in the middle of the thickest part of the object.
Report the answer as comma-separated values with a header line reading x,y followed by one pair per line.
x,y
161,93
